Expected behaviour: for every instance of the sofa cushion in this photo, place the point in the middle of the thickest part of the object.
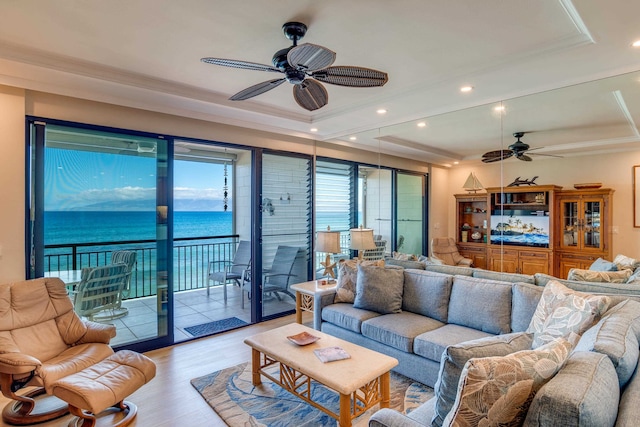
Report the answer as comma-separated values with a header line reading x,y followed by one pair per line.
x,y
583,393
616,335
456,356
398,330
497,391
599,276
481,304
628,409
403,257
427,293
449,269
379,289
602,264
524,301
346,316
347,278
562,311
432,344
405,263
503,277
626,263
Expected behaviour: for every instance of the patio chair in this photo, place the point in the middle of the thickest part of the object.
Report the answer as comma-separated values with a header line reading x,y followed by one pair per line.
x,y
225,271
129,258
99,292
277,279
445,250
377,253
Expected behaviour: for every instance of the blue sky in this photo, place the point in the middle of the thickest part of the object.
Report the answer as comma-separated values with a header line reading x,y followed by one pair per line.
x,y
76,179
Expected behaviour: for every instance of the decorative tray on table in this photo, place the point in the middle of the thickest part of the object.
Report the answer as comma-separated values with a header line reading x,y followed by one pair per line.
x,y
303,338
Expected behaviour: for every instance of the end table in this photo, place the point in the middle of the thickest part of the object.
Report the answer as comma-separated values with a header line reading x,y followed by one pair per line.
x,y
307,293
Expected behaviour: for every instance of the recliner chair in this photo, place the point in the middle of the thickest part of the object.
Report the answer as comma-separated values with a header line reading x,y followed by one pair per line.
x,y
445,250
43,340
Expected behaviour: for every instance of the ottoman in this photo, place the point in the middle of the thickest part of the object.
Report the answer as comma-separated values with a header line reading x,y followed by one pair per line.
x,y
103,385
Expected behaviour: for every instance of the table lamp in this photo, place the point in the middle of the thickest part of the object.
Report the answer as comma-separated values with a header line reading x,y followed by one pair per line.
x,y
328,241
361,239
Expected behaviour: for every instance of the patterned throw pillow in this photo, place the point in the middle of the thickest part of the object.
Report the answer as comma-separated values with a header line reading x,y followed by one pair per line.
x,y
599,276
404,257
562,311
497,391
348,277
626,263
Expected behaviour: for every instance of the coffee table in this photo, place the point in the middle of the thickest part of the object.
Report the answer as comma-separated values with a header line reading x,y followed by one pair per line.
x,y
362,381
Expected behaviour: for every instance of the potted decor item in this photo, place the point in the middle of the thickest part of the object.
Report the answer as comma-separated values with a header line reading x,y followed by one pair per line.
x,y
465,232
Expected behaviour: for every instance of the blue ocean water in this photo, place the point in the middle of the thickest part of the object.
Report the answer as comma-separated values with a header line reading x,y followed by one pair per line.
x,y
64,227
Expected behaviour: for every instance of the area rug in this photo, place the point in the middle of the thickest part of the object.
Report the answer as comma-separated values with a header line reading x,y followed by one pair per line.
x,y
239,403
216,326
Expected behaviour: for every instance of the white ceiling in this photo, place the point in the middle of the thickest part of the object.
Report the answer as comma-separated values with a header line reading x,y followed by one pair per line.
x,y
146,54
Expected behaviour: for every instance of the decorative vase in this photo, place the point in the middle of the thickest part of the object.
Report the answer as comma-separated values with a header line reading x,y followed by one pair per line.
x,y
465,235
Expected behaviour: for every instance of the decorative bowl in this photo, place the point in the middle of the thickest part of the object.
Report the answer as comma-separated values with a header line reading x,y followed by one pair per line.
x,y
587,185
476,235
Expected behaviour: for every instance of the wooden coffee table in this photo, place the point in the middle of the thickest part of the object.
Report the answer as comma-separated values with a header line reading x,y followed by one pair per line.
x,y
362,381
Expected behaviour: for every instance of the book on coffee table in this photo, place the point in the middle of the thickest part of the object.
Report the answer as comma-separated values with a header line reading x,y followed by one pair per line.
x,y
330,354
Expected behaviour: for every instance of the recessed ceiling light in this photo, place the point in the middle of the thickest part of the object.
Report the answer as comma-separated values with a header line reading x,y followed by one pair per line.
x,y
314,129
381,111
636,43
352,138
421,124
466,88
498,108
456,163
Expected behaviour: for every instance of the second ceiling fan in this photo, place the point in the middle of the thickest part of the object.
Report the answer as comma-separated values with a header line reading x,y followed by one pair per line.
x,y
518,149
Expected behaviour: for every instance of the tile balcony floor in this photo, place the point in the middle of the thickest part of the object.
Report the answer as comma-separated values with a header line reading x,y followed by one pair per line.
x,y
191,308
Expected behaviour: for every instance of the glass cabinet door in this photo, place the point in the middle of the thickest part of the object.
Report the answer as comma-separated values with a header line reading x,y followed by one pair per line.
x,y
570,224
590,224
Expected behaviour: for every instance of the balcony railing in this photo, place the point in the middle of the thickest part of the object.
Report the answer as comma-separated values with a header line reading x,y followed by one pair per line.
x,y
191,258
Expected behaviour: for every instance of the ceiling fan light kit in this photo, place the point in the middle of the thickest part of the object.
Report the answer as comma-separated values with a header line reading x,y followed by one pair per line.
x,y
304,66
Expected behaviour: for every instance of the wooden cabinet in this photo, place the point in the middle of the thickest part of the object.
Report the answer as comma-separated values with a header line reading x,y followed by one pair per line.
x,y
583,231
516,260
471,226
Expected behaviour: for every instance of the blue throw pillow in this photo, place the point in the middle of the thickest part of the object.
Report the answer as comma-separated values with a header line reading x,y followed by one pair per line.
x,y
603,265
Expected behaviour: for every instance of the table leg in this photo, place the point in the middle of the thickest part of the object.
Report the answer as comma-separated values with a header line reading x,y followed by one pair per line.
x,y
345,410
298,307
255,367
384,390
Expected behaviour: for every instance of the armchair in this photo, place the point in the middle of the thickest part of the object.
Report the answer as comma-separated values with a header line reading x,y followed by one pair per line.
x,y
43,340
445,250
99,294
224,271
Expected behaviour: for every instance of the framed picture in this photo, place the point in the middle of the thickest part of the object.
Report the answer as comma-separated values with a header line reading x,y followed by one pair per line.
x,y
636,196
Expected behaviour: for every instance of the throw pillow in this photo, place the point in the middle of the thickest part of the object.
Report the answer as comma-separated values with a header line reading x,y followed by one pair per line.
x,y
621,276
626,263
404,257
379,289
347,277
603,265
562,311
497,391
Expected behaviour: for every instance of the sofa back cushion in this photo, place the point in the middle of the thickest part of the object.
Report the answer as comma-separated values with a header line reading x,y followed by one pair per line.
x,y
449,269
481,304
405,263
503,277
591,287
524,301
427,293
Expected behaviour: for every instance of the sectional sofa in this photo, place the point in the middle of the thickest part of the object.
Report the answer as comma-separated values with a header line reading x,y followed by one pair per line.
x,y
434,320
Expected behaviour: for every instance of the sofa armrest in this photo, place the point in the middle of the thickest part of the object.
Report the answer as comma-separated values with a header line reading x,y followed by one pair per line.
x,y
18,363
98,333
388,417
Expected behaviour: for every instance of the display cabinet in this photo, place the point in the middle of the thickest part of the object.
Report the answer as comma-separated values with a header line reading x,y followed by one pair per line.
x,y
583,230
472,223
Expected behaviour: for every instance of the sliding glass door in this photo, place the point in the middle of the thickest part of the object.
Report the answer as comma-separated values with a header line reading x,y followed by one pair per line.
x,y
410,208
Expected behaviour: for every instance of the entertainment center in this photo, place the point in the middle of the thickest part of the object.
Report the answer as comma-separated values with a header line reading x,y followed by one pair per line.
x,y
534,229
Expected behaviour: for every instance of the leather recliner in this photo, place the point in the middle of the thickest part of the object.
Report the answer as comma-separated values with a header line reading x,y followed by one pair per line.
x,y
445,249
41,341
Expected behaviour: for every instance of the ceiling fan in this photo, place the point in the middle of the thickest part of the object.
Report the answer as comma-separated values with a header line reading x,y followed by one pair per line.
x,y
518,149
304,66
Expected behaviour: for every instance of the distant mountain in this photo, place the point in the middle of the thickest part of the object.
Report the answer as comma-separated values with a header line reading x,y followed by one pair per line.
x,y
191,205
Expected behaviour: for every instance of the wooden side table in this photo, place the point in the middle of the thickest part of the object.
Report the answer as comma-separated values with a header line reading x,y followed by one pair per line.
x,y
307,293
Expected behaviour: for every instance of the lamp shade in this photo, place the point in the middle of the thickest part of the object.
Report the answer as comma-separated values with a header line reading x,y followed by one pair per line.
x,y
328,241
362,238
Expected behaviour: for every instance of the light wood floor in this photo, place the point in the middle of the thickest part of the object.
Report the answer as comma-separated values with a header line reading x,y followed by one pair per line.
x,y
169,400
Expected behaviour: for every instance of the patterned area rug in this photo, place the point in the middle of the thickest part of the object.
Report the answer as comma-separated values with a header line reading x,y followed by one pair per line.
x,y
213,327
230,393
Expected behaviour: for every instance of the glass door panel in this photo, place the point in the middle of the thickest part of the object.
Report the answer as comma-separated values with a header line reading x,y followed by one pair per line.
x,y
591,225
570,223
286,230
375,204
410,214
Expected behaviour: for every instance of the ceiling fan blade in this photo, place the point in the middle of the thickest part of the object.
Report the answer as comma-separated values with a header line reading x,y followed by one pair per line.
x,y
310,57
496,156
546,155
240,64
256,90
345,75
310,95
524,157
